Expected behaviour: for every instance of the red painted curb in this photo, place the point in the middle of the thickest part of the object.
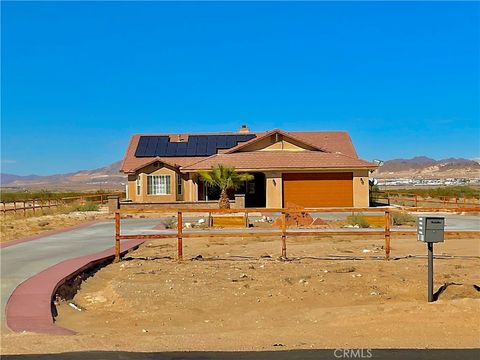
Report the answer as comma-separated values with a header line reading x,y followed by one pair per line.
x,y
29,307
48,233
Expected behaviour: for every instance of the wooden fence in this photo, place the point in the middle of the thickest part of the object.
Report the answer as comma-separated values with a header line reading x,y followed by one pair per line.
x,y
282,232
33,205
419,200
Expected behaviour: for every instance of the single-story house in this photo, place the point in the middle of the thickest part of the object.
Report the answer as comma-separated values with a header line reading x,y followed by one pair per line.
x,y
306,169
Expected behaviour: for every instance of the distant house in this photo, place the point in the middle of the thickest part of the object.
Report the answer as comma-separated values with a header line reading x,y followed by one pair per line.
x,y
306,169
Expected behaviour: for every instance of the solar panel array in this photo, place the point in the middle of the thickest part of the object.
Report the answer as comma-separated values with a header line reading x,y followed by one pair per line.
x,y
197,145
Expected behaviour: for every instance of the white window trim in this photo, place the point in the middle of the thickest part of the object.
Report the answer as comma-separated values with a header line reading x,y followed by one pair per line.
x,y
138,185
159,185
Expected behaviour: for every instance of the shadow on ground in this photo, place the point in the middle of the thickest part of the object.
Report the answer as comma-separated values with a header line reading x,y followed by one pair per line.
x,y
324,354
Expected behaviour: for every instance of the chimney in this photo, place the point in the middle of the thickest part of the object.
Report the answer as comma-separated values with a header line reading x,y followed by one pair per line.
x,y
244,129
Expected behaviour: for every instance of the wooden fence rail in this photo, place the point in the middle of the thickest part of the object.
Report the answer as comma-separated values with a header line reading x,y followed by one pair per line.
x,y
283,232
40,204
418,199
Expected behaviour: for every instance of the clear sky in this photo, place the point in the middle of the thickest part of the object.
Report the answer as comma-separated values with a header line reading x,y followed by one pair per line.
x,y
78,78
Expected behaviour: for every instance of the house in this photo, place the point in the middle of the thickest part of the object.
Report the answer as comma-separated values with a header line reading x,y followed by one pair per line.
x,y
306,169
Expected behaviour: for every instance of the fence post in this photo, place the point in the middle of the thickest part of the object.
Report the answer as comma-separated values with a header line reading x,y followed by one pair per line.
x,y
24,208
117,236
179,236
33,201
284,236
387,234
14,207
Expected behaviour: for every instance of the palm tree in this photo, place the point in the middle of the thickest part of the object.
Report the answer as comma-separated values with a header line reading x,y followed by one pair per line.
x,y
224,178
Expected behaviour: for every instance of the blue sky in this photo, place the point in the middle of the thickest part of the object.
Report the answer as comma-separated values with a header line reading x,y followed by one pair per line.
x,y
78,78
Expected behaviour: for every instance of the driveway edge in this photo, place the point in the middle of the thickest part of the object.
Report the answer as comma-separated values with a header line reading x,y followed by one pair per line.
x,y
30,306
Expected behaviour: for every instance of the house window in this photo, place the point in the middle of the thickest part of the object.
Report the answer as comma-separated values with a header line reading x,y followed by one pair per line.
x,y
138,185
158,184
179,184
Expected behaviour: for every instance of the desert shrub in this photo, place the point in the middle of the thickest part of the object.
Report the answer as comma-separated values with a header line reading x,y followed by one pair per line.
x,y
88,206
358,219
402,218
169,222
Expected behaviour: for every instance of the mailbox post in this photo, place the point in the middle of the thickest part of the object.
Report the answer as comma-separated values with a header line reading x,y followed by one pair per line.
x,y
430,229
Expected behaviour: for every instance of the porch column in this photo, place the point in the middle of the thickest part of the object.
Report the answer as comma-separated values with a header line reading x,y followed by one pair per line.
x,y
274,189
191,192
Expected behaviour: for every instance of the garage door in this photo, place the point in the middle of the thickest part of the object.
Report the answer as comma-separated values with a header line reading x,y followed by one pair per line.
x,y
318,190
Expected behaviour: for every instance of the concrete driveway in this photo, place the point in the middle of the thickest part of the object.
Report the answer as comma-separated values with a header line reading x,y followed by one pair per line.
x,y
21,261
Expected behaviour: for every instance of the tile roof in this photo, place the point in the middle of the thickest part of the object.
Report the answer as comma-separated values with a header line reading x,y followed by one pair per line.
x,y
335,143
257,160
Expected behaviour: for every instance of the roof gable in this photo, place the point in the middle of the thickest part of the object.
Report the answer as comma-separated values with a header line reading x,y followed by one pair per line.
x,y
275,135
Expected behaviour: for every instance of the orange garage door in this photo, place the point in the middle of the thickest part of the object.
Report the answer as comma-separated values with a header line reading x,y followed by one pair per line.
x,y
318,190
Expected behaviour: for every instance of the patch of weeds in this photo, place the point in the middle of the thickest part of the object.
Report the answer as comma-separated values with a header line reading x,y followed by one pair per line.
x,y
402,218
170,222
358,219
88,206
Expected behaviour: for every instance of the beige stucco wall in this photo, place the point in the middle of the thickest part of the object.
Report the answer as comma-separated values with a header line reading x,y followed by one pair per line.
x,y
152,169
360,189
190,187
274,190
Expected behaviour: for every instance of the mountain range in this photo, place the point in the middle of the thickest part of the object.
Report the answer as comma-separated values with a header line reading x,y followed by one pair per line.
x,y
109,178
424,167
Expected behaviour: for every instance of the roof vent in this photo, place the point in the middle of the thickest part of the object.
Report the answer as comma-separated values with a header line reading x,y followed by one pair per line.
x,y
244,129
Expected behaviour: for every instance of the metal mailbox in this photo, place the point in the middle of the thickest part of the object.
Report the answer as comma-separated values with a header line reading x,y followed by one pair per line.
x,y
430,229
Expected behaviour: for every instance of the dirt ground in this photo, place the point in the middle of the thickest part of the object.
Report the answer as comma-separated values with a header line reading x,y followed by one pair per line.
x,y
238,295
15,227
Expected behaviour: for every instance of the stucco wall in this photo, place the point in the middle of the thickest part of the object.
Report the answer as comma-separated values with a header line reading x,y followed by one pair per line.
x,y
159,169
274,189
360,188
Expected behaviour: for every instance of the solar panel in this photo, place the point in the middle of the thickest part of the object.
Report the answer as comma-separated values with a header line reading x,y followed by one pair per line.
x,y
142,146
211,145
181,149
230,141
162,146
171,149
191,146
221,142
197,145
151,146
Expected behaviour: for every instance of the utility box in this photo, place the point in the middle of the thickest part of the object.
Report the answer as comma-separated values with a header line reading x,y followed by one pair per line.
x,y
430,229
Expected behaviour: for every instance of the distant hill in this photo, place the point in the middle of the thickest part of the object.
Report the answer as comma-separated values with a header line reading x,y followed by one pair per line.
x,y
424,167
107,177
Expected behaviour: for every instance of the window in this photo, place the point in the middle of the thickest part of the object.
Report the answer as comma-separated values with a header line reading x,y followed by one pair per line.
x,y
158,184
179,184
138,185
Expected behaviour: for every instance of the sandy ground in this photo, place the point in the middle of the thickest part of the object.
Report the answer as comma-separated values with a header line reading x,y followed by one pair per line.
x,y
15,227
240,296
